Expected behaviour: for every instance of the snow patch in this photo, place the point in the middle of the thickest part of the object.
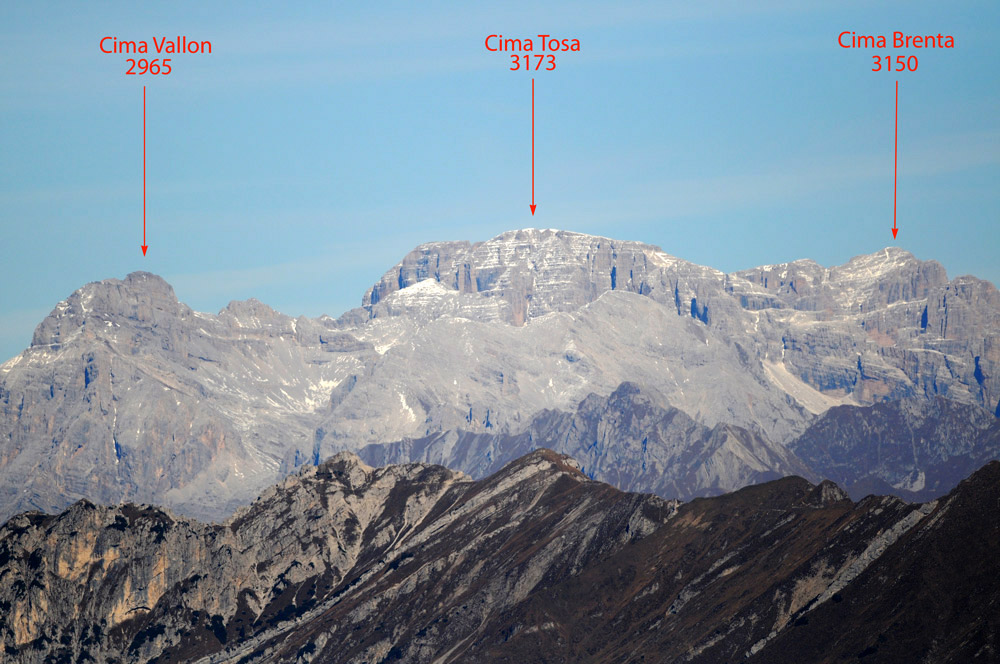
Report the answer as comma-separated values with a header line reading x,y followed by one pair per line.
x,y
912,483
11,363
406,408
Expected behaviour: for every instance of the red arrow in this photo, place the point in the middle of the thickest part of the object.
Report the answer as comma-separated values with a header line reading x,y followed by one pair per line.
x,y
533,206
895,165
144,245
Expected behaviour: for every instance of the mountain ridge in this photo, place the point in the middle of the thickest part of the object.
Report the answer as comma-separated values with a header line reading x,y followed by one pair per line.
x,y
109,401
625,439
347,562
913,449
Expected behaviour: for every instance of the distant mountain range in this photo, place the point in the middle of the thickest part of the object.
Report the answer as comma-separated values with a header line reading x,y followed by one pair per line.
x,y
913,448
343,562
656,373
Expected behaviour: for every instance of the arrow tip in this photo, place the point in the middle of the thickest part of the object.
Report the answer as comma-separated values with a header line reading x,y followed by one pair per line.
x,y
533,206
146,246
894,233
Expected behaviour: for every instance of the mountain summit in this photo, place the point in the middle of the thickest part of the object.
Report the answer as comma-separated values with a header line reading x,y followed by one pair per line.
x,y
128,394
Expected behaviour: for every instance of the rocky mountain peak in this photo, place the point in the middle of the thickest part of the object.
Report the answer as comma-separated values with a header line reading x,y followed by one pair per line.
x,y
348,468
626,390
884,277
147,281
865,283
624,398
141,298
546,461
827,493
532,272
252,313
882,261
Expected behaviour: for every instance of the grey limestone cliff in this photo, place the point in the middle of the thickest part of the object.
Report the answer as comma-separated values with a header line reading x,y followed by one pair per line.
x,y
127,394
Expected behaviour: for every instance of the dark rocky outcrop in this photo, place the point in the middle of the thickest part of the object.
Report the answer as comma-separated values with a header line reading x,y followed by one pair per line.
x,y
537,563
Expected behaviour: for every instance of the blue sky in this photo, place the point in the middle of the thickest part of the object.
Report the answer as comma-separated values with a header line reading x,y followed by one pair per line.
x,y
322,141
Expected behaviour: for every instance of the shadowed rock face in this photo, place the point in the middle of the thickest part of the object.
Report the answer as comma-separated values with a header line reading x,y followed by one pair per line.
x,y
537,563
914,449
127,394
931,597
625,439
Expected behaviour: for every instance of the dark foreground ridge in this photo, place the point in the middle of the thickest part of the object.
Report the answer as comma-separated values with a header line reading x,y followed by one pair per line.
x,y
415,563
